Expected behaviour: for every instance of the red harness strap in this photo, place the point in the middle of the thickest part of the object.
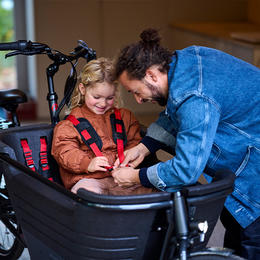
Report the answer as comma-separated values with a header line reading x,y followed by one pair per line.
x,y
119,141
87,136
27,154
43,157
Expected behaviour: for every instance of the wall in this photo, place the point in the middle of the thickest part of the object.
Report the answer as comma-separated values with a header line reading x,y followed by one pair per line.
x,y
253,11
108,25
105,26
207,10
240,17
60,23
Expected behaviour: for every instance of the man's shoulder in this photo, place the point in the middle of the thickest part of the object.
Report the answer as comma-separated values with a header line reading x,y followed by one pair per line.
x,y
198,50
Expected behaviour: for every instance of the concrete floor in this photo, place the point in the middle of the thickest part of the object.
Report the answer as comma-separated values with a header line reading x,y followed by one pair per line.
x,y
217,237
25,255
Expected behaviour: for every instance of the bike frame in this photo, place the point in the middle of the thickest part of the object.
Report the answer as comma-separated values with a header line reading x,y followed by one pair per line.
x,y
34,48
11,99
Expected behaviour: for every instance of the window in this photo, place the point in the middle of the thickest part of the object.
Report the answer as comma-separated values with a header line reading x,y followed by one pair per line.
x,y
7,34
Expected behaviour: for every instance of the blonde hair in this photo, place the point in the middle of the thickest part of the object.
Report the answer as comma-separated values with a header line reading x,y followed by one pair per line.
x,y
95,71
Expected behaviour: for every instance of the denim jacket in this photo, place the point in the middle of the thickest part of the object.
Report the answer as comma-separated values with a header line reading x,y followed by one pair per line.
x,y
212,121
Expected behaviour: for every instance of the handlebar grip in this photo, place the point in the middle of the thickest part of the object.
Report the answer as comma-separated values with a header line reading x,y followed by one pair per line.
x,y
18,45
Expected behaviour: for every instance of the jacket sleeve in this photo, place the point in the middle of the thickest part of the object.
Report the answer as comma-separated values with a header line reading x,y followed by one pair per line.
x,y
160,134
198,124
66,148
132,128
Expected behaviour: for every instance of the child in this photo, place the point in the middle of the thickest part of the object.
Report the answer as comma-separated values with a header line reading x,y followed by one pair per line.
x,y
93,99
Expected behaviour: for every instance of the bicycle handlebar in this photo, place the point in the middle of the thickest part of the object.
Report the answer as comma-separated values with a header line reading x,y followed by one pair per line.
x,y
23,47
11,46
31,48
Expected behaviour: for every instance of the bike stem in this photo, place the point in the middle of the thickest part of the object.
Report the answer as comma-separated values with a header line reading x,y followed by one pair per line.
x,y
52,96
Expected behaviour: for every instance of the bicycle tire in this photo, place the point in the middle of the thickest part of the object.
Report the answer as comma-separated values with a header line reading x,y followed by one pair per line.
x,y
214,254
215,257
10,246
12,253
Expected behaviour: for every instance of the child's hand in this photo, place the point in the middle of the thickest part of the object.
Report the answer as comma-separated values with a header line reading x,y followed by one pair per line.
x,y
98,164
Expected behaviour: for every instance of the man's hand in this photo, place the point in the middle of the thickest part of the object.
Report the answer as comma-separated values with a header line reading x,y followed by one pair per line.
x,y
133,156
126,176
98,164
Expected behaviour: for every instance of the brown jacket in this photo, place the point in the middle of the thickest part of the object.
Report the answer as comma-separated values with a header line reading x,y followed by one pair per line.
x,y
73,156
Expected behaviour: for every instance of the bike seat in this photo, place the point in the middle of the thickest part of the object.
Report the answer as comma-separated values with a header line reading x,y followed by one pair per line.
x,y
12,96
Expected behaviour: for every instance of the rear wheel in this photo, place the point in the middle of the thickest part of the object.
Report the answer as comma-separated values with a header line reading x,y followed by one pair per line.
x,y
10,246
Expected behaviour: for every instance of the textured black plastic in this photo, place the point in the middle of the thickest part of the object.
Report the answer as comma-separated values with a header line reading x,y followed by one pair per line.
x,y
13,136
58,224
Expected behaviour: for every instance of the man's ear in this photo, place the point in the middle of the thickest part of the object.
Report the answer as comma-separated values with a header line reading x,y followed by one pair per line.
x,y
151,74
82,89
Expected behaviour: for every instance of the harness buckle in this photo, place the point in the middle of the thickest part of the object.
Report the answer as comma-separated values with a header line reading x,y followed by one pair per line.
x,y
109,168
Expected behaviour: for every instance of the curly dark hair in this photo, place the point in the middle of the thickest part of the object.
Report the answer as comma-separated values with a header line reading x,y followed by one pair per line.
x,y
136,58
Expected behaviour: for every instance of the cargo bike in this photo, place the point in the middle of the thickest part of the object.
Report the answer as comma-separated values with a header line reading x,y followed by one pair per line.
x,y
37,212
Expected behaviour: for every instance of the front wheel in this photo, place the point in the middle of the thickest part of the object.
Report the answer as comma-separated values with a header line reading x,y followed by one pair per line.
x,y
11,252
10,246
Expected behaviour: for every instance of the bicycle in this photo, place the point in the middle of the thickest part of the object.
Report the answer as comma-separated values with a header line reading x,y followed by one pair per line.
x,y
12,244
162,225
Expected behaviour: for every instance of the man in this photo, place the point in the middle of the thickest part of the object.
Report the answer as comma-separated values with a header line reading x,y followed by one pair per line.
x,y
211,121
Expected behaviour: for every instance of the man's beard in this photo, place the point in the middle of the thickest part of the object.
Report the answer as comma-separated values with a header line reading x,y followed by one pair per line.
x,y
160,99
156,94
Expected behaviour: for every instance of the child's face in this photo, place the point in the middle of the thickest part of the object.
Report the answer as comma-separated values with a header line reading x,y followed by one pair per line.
x,y
99,98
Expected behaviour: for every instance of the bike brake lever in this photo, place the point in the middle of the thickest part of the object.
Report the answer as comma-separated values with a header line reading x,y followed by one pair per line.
x,y
12,54
27,53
